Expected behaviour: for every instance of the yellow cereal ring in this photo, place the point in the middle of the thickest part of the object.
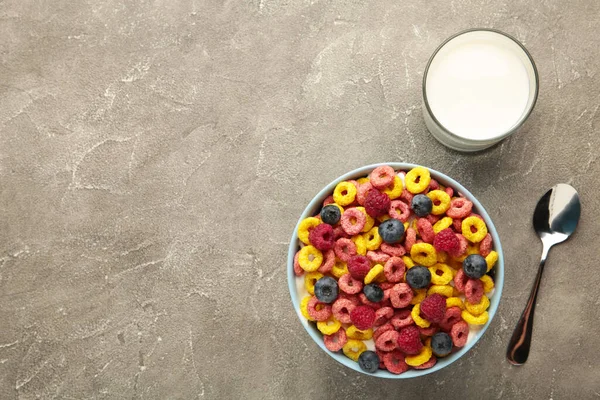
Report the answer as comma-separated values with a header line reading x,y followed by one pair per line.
x,y
329,327
310,258
372,239
488,283
478,224
456,293
472,248
424,254
479,308
310,279
304,309
428,342
419,296
396,190
383,218
491,260
442,257
375,274
455,302
365,179
417,180
353,349
408,262
416,316
344,193
354,333
475,320
442,224
444,290
339,207
361,244
305,225
370,221
339,268
444,278
442,199
418,359
406,224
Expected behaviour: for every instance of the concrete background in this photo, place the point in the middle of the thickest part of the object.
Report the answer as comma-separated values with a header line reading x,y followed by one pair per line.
x,y
155,156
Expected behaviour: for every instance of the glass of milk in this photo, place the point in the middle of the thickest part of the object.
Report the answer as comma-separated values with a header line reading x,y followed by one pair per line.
x,y
479,87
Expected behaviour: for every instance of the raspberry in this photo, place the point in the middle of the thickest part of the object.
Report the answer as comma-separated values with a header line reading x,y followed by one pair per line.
x,y
409,340
359,267
377,203
433,308
322,237
446,241
362,317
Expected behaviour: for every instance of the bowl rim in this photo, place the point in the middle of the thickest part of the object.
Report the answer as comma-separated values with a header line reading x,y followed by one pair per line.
x,y
316,203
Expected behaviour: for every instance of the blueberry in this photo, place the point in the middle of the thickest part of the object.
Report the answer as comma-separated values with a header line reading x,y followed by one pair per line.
x,y
331,214
326,290
418,277
421,205
373,292
391,231
475,266
368,361
441,344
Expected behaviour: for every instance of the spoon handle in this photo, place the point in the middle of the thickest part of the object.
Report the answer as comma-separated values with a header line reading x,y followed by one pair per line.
x,y
520,342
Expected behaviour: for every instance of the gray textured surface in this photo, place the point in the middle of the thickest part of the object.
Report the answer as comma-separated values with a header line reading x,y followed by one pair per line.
x,y
155,155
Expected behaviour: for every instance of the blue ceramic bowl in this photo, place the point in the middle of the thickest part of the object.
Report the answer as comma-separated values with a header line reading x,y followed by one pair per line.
x,y
315,205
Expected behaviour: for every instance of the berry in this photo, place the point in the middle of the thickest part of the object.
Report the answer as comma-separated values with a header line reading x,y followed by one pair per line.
x,y
447,241
373,292
331,214
421,205
322,237
362,317
418,277
359,266
475,266
433,308
368,361
391,231
377,203
326,290
409,340
441,344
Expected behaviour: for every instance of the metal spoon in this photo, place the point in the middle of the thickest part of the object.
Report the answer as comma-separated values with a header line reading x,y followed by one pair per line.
x,y
555,218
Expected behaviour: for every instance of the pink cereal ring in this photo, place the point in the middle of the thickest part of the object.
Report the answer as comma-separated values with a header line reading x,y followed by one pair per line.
x,y
411,238
382,176
349,285
401,295
425,230
485,247
336,341
432,330
367,302
462,245
353,221
328,261
459,208
361,192
457,224
386,285
383,328
474,291
394,250
317,310
378,257
341,309
394,362
407,196
339,232
380,354
399,210
328,200
459,333
433,184
453,315
344,249
402,319
460,280
387,341
298,271
394,269
433,218
449,191
476,215
432,361
350,297
383,315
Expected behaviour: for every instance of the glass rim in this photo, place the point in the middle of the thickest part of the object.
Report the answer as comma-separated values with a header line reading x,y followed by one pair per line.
x,y
519,122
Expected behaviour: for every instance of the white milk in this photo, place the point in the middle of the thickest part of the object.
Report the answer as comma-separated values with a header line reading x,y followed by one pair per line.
x,y
479,86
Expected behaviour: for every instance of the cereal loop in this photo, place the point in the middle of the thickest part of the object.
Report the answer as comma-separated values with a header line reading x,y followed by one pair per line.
x,y
363,180
341,310
475,320
344,249
417,180
485,247
328,262
441,201
304,309
383,328
310,259
459,333
442,256
444,290
387,341
317,310
349,285
432,361
298,271
424,254
394,362
360,243
452,302
310,279
339,268
382,176
375,274
353,221
395,189
478,308
441,274
401,295
394,269
408,262
329,327
478,225
399,210
419,359
394,250
488,283
425,230
474,290
354,333
491,260
353,348
383,315
460,280
418,296
344,193
442,224
452,317
336,341
370,221
377,256
372,239
304,228
416,316
459,208
361,192
410,239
